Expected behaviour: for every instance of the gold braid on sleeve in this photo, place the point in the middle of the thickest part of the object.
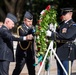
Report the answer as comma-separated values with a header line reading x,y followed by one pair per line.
x,y
20,42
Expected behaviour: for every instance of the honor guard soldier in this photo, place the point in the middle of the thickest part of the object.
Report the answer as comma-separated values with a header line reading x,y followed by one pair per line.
x,y
65,36
25,49
6,44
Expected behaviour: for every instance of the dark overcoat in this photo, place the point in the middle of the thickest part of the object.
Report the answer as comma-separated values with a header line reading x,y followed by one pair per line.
x,y
6,44
25,48
66,49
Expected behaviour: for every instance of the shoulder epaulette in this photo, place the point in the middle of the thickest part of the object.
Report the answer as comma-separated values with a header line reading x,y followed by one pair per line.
x,y
74,24
5,28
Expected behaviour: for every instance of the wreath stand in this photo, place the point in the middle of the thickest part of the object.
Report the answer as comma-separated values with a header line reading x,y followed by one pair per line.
x,y
53,51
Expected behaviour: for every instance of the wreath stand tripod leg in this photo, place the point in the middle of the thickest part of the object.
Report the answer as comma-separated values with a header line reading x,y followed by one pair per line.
x,y
60,62
51,47
70,68
50,62
43,61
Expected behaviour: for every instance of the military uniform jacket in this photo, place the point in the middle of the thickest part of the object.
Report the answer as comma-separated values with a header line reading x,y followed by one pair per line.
x,y
25,47
66,33
6,44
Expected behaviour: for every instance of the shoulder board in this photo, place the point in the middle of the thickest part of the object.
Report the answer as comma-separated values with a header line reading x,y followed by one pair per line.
x,y
4,28
74,24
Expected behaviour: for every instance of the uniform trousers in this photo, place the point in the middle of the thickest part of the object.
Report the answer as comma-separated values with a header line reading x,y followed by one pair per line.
x,y
4,67
60,71
21,61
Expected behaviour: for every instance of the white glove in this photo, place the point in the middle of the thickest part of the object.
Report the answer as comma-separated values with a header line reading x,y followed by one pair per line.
x,y
52,27
48,33
29,37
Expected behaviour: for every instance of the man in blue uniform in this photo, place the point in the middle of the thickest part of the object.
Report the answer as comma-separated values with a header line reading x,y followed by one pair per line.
x,y
65,36
25,49
6,44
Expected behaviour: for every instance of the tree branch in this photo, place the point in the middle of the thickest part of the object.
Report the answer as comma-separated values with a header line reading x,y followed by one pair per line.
x,y
2,14
10,5
19,7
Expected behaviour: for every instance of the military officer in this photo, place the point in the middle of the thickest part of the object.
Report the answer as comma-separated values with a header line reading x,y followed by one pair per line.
x,y
6,44
64,36
25,49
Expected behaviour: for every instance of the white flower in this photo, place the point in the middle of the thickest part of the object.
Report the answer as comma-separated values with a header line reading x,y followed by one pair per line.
x,y
37,37
42,12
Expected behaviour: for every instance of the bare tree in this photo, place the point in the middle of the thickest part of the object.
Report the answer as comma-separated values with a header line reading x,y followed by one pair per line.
x,y
13,6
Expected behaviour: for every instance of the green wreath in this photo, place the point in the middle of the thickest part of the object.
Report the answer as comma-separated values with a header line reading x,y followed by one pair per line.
x,y
47,17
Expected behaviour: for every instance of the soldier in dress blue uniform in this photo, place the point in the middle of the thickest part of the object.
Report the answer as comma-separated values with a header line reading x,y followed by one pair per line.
x,y
65,36
6,44
25,49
